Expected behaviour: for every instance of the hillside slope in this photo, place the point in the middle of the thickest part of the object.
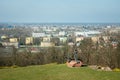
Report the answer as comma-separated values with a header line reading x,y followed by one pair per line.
x,y
56,72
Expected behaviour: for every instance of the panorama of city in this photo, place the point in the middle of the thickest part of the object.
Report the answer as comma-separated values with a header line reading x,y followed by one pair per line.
x,y
60,40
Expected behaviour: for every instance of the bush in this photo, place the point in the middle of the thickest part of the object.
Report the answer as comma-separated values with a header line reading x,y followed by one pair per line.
x,y
116,69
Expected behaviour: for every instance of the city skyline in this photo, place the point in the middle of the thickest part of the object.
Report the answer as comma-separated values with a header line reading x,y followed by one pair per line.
x,y
62,11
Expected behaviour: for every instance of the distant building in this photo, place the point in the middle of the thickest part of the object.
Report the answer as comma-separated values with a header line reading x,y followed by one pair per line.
x,y
114,44
47,44
95,38
108,26
87,33
55,35
62,33
114,30
35,28
63,39
4,37
92,33
79,38
80,34
13,40
29,40
15,44
38,35
70,44
46,39
105,38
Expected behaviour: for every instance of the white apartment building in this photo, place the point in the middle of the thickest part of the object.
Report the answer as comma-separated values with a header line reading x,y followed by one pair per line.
x,y
38,34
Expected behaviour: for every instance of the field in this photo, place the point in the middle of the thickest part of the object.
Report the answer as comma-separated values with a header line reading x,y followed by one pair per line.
x,y
56,72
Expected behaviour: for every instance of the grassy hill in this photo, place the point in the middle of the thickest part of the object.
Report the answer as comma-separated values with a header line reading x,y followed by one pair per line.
x,y
56,72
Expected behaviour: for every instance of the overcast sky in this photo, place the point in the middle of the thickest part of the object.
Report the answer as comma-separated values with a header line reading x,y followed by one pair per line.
x,y
60,11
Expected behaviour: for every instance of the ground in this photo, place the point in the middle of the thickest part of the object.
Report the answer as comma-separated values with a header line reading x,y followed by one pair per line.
x,y
56,72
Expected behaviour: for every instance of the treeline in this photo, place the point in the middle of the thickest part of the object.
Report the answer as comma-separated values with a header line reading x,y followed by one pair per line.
x,y
100,53
49,55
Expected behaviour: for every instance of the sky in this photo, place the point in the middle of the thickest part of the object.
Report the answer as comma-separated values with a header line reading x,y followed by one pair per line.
x,y
60,11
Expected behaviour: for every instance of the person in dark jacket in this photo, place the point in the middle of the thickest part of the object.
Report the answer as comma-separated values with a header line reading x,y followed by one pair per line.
x,y
75,55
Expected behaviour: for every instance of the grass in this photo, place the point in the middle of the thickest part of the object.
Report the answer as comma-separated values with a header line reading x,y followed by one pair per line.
x,y
56,72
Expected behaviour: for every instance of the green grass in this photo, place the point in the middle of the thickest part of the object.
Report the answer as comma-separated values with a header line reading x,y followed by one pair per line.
x,y
56,72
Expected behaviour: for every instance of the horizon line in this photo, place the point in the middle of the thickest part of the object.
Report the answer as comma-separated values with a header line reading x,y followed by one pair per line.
x,y
62,22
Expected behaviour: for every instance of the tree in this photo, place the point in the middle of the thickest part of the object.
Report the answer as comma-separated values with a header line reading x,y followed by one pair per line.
x,y
1,45
118,55
86,49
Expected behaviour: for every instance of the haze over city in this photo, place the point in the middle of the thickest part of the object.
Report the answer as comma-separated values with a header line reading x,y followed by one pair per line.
x,y
60,11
